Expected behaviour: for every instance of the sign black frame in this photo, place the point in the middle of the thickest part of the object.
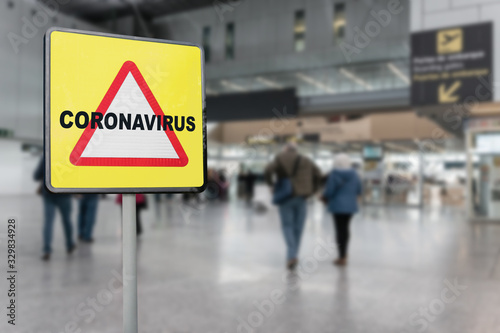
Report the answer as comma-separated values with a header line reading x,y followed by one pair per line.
x,y
426,93
46,120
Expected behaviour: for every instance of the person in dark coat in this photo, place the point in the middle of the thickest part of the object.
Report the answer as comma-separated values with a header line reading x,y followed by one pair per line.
x,y
342,190
86,216
51,203
250,185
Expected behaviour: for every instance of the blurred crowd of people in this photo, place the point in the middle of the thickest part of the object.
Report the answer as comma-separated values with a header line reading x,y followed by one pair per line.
x,y
293,178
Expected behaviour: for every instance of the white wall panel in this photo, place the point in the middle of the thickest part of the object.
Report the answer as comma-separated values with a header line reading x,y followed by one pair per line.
x,y
468,3
30,105
435,5
21,88
16,169
11,167
9,24
450,18
21,79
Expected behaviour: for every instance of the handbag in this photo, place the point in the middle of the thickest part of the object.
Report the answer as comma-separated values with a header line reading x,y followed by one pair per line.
x,y
283,189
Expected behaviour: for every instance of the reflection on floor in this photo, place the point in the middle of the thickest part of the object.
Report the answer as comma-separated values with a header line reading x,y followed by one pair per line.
x,y
219,268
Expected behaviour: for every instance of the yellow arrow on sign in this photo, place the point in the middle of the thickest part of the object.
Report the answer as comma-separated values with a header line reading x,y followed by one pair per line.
x,y
447,95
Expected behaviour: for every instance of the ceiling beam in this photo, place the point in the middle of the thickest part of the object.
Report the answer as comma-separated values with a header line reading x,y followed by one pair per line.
x,y
98,11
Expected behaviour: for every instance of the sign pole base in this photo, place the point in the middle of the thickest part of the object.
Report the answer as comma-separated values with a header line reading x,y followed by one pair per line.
x,y
129,251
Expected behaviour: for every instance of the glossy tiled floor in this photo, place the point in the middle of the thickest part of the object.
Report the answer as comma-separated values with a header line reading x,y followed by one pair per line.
x,y
219,268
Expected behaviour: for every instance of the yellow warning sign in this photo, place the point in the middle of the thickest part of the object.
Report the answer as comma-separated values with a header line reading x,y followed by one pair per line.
x,y
449,41
123,114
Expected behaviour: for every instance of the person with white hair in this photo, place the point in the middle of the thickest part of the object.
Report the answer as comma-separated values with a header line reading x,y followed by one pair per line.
x,y
342,190
297,177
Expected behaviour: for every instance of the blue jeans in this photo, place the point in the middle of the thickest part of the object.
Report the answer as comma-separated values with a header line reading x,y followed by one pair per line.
x,y
86,215
51,202
293,217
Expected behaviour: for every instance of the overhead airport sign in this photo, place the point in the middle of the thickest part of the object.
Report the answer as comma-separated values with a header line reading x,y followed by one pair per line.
x,y
123,114
451,65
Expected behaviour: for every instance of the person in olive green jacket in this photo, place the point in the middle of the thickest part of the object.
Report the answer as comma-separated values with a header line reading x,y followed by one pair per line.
x,y
305,177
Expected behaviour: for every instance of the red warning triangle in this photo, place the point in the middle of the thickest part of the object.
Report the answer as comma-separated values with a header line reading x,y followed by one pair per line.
x,y
129,148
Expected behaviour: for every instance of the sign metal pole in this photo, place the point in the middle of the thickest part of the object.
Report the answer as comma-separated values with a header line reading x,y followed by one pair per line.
x,y
129,264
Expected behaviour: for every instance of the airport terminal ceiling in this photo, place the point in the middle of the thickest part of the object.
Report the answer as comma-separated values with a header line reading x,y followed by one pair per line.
x,y
100,10
380,83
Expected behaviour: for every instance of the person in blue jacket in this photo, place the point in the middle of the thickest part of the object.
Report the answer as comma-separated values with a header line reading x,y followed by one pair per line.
x,y
342,190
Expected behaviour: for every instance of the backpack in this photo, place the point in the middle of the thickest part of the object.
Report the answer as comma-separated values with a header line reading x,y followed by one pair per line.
x,y
283,189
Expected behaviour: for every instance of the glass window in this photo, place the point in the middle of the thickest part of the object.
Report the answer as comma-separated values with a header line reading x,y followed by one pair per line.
x,y
206,43
339,20
300,31
230,41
